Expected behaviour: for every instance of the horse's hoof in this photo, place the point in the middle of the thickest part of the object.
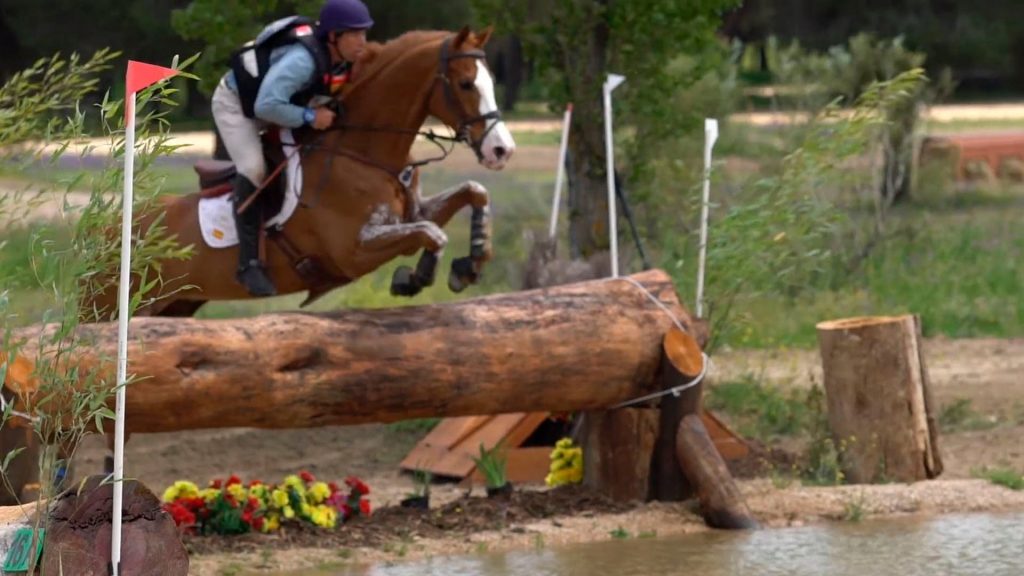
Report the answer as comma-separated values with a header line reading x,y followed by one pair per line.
x,y
403,282
462,275
455,284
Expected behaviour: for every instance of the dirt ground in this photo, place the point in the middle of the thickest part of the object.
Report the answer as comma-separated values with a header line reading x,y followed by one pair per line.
x,y
988,372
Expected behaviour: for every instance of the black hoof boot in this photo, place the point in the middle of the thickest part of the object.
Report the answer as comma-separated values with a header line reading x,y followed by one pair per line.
x,y
404,282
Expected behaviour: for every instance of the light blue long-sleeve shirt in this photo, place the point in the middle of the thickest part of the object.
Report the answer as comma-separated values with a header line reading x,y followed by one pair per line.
x,y
291,70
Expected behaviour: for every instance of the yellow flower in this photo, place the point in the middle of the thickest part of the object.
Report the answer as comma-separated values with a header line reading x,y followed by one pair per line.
x,y
181,489
280,498
209,494
319,492
294,481
288,512
238,492
324,516
273,523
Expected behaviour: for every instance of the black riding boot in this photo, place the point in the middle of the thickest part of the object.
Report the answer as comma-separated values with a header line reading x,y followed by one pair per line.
x,y
251,273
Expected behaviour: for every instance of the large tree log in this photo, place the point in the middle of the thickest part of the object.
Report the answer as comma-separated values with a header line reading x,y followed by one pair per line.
x,y
77,538
878,402
567,348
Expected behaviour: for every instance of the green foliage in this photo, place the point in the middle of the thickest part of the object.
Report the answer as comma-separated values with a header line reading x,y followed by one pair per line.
x,y
1003,477
620,533
69,262
761,412
35,102
491,463
225,26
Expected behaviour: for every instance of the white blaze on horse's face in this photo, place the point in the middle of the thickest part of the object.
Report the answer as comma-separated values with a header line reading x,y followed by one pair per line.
x,y
498,145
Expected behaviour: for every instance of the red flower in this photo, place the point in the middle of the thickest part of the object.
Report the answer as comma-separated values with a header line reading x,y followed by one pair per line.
x,y
257,523
183,517
231,500
346,511
364,507
254,503
357,485
254,483
215,483
333,486
247,517
234,480
307,477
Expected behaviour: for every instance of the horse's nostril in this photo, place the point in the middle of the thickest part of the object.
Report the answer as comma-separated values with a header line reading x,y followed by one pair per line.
x,y
499,152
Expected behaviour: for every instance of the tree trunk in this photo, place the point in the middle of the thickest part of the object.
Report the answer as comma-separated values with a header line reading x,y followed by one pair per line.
x,y
878,404
574,347
77,539
588,190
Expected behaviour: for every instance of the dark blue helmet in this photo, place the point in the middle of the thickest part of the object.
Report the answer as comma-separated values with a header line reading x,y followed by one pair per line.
x,y
342,15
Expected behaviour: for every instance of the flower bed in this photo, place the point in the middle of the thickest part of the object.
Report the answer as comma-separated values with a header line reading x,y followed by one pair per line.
x,y
232,507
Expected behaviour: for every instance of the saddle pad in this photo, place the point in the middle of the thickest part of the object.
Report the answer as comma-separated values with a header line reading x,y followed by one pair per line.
x,y
216,220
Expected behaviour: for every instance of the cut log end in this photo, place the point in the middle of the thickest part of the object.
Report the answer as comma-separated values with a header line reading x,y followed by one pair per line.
x,y
19,376
859,322
683,351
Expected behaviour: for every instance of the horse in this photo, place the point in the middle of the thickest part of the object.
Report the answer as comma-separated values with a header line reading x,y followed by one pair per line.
x,y
361,199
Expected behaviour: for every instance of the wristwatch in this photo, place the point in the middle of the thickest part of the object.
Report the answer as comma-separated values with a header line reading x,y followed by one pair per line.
x,y
308,115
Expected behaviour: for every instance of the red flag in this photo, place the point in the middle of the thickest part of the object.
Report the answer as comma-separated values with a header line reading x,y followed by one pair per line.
x,y
141,75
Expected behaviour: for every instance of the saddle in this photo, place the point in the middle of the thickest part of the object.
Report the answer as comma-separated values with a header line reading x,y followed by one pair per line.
x,y
216,178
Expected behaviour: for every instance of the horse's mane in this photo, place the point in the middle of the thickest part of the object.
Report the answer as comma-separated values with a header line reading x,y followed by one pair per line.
x,y
379,57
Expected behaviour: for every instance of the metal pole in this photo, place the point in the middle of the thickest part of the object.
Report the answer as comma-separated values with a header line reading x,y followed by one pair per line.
x,y
613,82
710,137
560,178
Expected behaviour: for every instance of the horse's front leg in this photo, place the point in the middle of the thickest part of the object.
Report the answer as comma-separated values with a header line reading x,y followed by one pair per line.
x,y
440,209
381,242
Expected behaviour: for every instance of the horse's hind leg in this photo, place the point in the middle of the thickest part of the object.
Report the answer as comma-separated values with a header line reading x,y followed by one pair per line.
x,y
465,270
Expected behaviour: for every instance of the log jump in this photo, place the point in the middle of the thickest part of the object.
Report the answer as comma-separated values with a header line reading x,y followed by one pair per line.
x,y
584,347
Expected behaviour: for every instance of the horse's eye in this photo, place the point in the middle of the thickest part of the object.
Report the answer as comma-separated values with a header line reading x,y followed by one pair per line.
x,y
466,85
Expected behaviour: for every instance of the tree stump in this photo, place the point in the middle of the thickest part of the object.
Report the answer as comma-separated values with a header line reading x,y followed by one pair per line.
x,y
80,531
879,403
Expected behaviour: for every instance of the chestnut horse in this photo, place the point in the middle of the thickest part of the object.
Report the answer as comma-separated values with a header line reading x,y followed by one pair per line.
x,y
355,212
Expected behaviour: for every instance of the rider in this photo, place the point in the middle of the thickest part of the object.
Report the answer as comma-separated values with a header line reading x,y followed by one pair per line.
x,y
274,80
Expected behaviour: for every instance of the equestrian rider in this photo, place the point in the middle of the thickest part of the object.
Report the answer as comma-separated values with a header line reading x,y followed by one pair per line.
x,y
275,80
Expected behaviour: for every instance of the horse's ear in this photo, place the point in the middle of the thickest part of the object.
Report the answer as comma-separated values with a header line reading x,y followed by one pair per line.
x,y
460,38
483,36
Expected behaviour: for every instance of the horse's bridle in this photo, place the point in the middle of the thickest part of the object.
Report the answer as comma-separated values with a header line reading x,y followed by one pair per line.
x,y
462,130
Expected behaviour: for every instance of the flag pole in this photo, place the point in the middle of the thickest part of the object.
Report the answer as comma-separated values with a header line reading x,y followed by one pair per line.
x,y
122,330
138,76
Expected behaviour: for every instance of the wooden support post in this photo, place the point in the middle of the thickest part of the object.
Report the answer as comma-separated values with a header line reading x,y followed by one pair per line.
x,y
879,405
721,503
681,362
617,449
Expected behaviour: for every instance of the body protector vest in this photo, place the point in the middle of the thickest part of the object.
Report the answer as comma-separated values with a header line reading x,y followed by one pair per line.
x,y
251,62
